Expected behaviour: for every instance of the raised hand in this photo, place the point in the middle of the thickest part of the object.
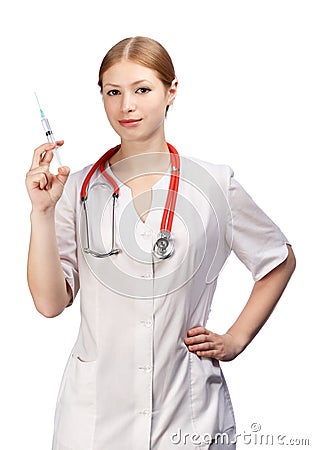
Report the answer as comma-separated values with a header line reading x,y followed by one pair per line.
x,y
44,188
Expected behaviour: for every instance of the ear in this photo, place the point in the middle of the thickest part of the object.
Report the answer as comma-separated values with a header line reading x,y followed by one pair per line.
x,y
172,92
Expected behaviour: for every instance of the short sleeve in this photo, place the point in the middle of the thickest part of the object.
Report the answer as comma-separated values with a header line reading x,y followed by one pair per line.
x,y
65,223
256,240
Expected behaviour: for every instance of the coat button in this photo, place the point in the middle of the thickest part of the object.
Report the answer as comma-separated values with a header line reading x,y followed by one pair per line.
x,y
147,275
147,323
146,368
145,412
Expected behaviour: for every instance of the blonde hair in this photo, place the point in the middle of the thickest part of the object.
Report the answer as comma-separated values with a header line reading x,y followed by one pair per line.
x,y
141,50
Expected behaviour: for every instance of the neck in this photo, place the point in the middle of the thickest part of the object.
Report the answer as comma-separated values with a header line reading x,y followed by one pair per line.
x,y
134,158
132,148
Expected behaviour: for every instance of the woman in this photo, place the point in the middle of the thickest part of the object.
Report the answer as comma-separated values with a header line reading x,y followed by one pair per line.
x,y
144,372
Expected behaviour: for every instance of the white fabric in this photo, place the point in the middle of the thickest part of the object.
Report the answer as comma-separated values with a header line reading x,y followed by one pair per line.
x,y
130,381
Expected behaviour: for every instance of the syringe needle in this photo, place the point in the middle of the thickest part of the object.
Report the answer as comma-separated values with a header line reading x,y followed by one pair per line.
x,y
37,99
41,111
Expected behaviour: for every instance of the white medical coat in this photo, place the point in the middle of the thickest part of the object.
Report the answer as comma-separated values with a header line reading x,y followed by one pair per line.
x,y
130,382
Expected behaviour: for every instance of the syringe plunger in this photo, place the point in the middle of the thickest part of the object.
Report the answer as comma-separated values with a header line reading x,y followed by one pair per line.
x,y
48,131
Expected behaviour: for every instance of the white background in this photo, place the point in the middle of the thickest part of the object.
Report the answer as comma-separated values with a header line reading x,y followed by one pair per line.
x,y
245,76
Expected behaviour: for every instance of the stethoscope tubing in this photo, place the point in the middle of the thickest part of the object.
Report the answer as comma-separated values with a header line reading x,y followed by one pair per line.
x,y
168,214
100,164
164,245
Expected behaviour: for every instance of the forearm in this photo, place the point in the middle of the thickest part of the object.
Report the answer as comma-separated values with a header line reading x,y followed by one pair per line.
x,y
263,299
44,271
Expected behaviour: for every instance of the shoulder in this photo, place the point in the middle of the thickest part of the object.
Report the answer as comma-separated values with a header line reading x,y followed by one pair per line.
x,y
216,169
220,174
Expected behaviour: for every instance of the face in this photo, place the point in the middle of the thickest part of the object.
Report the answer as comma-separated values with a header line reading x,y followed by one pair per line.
x,y
135,101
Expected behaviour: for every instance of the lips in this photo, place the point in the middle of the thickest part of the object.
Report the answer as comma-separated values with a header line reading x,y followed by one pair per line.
x,y
129,122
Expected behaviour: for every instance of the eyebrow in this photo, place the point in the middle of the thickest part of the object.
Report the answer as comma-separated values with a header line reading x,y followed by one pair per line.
x,y
132,84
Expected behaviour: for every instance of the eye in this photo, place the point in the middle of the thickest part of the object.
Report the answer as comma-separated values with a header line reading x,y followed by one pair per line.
x,y
143,90
113,92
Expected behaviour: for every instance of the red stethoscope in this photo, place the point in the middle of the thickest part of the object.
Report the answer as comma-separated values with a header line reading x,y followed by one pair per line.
x,y
164,246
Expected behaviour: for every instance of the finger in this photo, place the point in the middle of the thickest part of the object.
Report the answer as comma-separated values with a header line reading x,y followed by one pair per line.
x,y
49,154
41,151
197,339
209,354
63,173
39,169
203,346
218,354
38,152
36,181
194,333
35,176
196,330
47,157
40,179
43,181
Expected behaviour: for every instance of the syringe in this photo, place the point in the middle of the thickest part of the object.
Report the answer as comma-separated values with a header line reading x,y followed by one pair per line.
x,y
49,133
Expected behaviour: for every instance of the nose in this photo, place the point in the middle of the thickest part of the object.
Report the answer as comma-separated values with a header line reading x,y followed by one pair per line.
x,y
128,103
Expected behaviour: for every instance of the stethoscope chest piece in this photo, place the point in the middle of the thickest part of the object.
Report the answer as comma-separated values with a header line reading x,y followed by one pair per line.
x,y
164,246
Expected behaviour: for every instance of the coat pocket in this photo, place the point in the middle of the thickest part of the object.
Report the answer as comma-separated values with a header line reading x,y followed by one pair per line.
x,y
76,408
208,402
